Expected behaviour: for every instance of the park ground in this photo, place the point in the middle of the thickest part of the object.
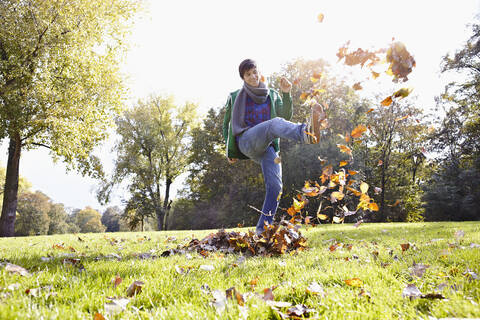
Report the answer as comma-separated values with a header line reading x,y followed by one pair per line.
x,y
373,271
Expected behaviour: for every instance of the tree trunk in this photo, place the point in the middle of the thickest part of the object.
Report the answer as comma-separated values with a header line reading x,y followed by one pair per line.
x,y
10,191
166,206
160,214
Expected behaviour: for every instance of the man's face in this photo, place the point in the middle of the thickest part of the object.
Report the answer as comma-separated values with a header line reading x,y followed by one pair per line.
x,y
251,77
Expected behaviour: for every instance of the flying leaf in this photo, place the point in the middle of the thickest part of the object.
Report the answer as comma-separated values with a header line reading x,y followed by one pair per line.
x,y
357,86
387,101
402,93
298,205
377,190
352,172
380,163
375,75
320,17
354,282
338,219
402,118
373,206
336,195
370,110
364,187
344,149
395,204
343,163
358,131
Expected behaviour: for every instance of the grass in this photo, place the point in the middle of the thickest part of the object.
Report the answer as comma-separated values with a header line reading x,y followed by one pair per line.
x,y
376,258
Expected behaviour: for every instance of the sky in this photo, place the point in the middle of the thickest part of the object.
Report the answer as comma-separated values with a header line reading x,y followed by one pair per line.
x,y
191,49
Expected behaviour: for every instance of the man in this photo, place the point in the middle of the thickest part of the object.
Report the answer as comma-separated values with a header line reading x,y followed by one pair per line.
x,y
255,118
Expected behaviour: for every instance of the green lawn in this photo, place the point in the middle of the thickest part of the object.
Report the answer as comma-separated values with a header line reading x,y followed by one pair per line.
x,y
190,286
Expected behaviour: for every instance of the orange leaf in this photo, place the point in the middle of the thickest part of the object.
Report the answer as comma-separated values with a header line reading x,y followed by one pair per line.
x,y
395,204
358,131
291,211
387,101
373,206
354,282
98,316
402,118
304,96
352,172
355,192
343,163
347,137
375,75
320,17
380,163
357,86
317,75
344,149
370,110
405,246
117,281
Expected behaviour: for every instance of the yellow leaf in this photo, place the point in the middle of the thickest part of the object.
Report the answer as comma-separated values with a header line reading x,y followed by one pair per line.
x,y
343,163
364,187
313,79
337,195
338,219
387,101
402,118
375,75
358,131
298,205
354,282
322,216
320,17
402,93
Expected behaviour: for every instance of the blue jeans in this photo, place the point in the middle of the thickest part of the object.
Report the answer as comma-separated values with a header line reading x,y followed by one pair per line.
x,y
256,143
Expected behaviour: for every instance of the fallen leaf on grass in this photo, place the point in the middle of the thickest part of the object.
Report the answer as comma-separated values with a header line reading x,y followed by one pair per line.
x,y
418,269
405,246
115,305
300,310
315,289
219,300
135,288
207,267
268,293
411,291
233,293
116,281
13,268
358,223
354,282
459,234
98,316
45,291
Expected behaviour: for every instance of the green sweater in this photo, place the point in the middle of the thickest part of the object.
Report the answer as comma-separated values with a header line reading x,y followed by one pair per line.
x,y
278,108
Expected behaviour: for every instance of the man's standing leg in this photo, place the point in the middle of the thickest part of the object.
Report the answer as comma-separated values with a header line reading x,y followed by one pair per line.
x,y
272,176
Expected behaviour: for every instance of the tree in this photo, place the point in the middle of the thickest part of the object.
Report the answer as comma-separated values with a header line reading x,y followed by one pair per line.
x,y
89,220
58,219
33,216
392,159
59,82
454,190
111,219
152,152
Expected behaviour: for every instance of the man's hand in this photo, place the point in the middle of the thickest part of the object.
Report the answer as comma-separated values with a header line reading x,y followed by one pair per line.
x,y
285,85
232,160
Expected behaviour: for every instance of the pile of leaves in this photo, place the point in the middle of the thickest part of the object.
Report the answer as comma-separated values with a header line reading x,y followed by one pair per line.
x,y
277,238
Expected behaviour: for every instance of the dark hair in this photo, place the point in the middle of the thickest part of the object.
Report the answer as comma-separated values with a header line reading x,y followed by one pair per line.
x,y
246,65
